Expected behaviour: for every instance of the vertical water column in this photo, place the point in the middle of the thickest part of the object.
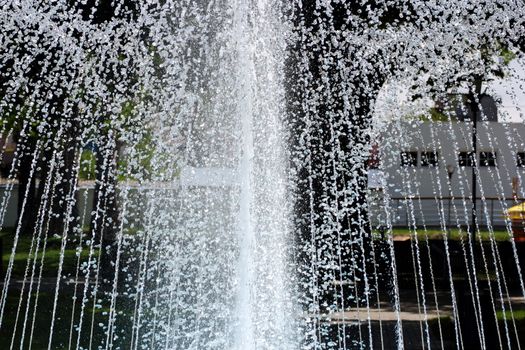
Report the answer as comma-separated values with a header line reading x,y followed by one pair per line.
x,y
265,313
244,334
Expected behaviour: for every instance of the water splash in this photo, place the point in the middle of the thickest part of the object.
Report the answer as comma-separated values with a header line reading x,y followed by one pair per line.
x,y
193,175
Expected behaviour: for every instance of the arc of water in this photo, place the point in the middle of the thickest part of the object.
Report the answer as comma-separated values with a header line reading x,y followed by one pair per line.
x,y
114,291
39,230
120,241
408,175
80,249
425,231
7,279
472,279
500,273
393,268
508,226
71,200
51,195
143,271
416,261
474,288
92,260
475,227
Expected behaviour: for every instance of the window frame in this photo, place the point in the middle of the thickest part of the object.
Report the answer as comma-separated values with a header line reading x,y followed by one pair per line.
x,y
485,161
426,162
413,157
468,160
520,160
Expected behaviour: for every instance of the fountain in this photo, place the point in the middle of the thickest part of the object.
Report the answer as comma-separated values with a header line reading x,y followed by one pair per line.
x,y
232,174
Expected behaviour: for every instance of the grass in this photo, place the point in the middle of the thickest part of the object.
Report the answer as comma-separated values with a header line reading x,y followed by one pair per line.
x,y
23,255
63,316
62,321
43,317
519,315
455,234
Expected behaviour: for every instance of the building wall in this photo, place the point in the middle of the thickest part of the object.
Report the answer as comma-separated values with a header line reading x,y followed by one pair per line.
x,y
430,185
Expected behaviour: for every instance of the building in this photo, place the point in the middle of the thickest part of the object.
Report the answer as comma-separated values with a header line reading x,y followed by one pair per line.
x,y
426,171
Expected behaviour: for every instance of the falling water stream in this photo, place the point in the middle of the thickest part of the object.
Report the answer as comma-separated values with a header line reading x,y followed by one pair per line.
x,y
198,174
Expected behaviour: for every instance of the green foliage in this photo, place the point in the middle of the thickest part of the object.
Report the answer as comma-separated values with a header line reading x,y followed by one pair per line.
x,y
507,55
87,165
434,115
518,315
137,165
52,254
437,116
128,108
455,234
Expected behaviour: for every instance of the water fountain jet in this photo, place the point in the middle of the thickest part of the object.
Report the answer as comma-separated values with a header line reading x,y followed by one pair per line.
x,y
222,151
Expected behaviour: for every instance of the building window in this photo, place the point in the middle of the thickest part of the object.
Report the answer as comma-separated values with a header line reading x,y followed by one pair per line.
x,y
409,159
429,159
520,160
487,158
466,158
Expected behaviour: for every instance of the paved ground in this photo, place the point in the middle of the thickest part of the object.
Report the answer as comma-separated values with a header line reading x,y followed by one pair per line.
x,y
377,328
